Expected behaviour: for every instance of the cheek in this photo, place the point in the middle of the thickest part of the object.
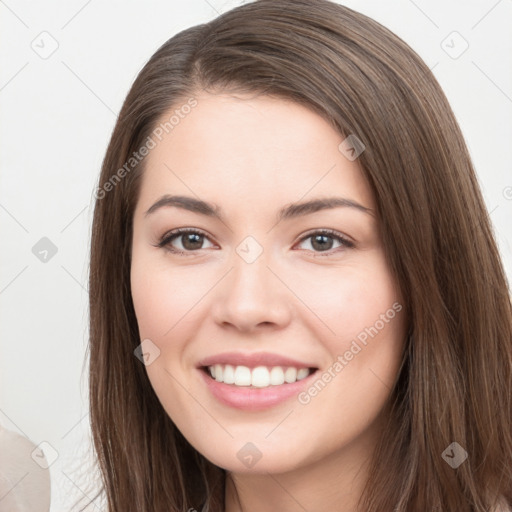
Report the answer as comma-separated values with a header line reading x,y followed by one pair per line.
x,y
365,315
166,307
362,328
164,300
351,299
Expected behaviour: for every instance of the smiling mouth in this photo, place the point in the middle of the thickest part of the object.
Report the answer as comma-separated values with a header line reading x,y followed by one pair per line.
x,y
257,377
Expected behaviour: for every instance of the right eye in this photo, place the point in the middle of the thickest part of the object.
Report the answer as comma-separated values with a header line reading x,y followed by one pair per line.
x,y
191,240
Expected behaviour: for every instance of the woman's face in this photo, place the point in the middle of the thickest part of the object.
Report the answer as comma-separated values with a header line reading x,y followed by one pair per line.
x,y
256,293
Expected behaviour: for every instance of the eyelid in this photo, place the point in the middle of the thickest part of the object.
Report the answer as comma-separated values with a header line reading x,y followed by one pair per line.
x,y
327,231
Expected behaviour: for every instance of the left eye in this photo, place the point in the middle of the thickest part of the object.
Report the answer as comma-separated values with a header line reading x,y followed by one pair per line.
x,y
322,241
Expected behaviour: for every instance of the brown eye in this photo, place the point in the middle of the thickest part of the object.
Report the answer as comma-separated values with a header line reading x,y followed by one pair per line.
x,y
187,240
191,241
323,241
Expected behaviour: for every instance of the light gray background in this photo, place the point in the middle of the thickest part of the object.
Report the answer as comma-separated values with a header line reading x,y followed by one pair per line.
x,y
57,116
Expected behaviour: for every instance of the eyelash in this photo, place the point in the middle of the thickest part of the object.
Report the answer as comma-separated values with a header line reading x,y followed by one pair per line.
x,y
168,238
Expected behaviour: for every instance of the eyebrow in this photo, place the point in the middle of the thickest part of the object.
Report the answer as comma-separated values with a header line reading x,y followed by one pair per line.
x,y
288,212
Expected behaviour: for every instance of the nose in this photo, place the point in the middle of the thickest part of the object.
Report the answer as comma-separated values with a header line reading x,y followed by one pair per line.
x,y
252,297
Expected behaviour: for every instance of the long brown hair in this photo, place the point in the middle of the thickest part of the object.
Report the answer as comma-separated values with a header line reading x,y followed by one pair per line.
x,y
455,381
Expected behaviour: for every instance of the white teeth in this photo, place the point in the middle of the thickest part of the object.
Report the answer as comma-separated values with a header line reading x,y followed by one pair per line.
x,y
259,377
229,374
276,376
218,373
242,376
290,375
302,373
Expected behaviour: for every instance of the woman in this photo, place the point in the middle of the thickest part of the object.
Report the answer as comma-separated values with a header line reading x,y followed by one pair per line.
x,y
296,299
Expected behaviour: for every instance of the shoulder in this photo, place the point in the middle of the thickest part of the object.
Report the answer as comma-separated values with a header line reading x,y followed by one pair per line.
x,y
24,474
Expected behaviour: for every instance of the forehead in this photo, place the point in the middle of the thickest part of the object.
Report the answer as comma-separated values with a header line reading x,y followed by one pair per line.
x,y
261,148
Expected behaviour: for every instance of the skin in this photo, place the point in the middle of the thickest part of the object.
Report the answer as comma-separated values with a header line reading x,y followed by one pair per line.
x,y
251,156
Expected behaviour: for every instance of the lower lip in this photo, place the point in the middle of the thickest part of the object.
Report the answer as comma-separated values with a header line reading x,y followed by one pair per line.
x,y
254,399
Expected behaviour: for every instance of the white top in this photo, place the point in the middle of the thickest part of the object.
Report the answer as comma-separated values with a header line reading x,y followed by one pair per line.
x,y
24,475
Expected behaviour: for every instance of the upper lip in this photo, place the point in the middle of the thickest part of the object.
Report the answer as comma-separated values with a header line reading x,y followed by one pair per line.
x,y
252,360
